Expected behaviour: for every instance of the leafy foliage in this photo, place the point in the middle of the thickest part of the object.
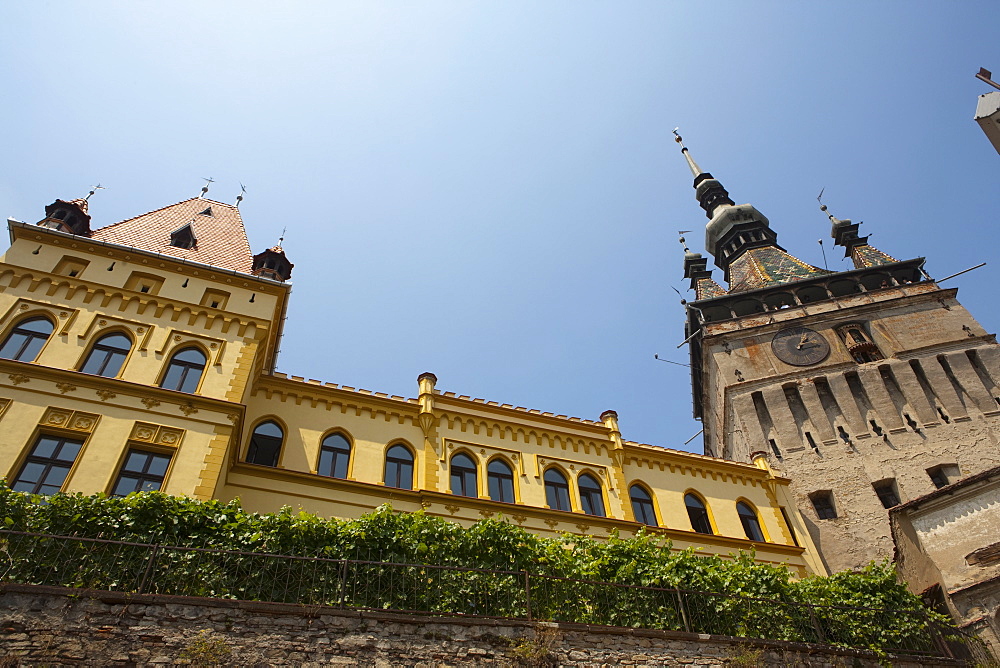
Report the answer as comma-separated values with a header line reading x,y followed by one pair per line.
x,y
395,561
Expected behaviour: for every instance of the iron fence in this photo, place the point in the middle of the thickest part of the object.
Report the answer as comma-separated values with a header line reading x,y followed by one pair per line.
x,y
141,568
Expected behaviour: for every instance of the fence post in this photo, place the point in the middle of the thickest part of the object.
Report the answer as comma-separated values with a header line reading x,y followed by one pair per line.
x,y
149,568
527,594
935,631
820,636
343,584
683,611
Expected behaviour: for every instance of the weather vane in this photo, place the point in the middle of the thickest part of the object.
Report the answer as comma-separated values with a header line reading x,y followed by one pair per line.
x,y
239,198
93,189
209,181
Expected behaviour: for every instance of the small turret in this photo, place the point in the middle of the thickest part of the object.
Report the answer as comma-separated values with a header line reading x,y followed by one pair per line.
x,y
70,217
272,264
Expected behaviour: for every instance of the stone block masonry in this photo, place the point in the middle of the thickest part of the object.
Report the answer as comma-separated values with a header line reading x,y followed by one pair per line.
x,y
57,626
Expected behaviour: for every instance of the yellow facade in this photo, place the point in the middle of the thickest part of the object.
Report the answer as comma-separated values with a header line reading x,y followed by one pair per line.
x,y
165,302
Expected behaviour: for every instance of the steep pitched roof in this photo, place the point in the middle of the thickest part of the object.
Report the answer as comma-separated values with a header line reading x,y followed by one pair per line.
x,y
221,237
767,266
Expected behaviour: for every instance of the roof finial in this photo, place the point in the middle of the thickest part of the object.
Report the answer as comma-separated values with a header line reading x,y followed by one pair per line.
x,y
822,207
683,241
281,239
209,181
239,198
93,189
695,169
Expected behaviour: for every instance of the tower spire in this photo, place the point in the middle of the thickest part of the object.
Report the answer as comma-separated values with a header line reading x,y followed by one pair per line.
x,y
692,165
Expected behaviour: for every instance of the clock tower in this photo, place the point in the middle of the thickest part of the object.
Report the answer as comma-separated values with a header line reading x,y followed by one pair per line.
x,y
868,387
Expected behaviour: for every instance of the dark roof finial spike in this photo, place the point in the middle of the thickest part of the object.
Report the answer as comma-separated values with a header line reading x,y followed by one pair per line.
x,y
239,198
209,181
695,169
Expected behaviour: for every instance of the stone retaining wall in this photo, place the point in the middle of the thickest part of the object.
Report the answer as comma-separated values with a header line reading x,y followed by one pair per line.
x,y
57,626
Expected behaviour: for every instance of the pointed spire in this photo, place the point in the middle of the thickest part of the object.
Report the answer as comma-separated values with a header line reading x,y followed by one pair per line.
x,y
708,191
692,165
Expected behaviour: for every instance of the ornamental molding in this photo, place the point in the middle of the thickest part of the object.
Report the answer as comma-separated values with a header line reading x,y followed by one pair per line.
x,y
519,432
63,418
156,434
177,338
62,316
86,293
484,452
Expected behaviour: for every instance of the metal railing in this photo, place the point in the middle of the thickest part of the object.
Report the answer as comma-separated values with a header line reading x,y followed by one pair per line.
x,y
141,568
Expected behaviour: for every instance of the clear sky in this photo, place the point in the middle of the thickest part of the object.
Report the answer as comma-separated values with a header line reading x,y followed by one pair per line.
x,y
489,190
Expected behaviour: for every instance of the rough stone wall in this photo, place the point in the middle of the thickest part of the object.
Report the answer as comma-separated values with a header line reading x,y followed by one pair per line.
x,y
54,626
841,426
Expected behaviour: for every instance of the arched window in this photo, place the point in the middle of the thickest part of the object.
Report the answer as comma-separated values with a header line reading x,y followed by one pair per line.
x,y
751,523
334,456
184,370
108,355
265,444
463,476
556,490
501,481
591,499
26,340
698,514
399,467
642,505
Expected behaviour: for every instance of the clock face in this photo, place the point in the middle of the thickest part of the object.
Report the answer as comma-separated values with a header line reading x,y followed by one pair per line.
x,y
800,346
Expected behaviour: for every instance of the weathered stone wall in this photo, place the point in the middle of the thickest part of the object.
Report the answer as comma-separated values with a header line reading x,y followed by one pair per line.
x,y
842,426
54,626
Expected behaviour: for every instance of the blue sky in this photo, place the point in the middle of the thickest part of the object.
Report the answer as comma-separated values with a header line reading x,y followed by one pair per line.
x,y
489,190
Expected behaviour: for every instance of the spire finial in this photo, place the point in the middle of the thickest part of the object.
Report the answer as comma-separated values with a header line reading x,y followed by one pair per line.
x,y
281,239
93,189
239,198
695,169
683,241
822,207
209,181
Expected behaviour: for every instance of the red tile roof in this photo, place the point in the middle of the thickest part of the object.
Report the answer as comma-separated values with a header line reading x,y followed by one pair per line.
x,y
221,237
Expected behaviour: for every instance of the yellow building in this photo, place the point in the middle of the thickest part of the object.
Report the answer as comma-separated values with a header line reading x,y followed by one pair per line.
x,y
141,356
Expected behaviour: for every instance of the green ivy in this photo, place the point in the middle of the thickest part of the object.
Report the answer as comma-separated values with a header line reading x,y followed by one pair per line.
x,y
894,617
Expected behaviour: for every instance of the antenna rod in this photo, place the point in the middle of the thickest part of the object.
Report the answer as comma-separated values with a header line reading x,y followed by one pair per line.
x,y
964,271
695,436
658,358
823,248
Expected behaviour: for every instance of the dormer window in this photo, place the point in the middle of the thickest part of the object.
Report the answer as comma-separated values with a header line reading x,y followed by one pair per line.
x,y
859,344
206,212
183,237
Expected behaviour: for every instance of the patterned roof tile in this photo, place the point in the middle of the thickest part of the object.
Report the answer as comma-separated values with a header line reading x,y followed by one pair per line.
x,y
221,237
767,266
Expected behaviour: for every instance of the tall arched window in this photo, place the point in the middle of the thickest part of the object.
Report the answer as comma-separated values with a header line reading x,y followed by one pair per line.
x,y
334,456
642,505
500,480
698,514
184,370
25,341
108,355
399,467
751,523
463,476
556,490
591,498
265,444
